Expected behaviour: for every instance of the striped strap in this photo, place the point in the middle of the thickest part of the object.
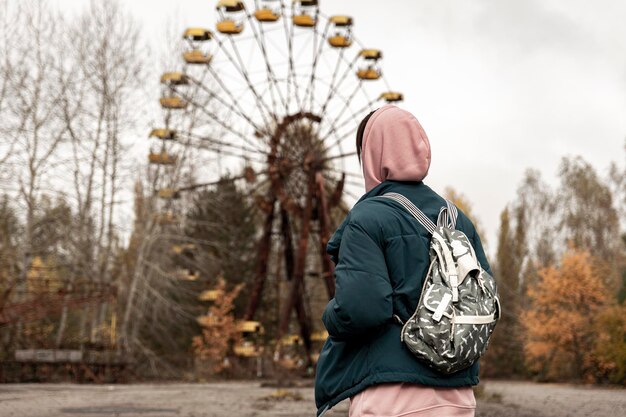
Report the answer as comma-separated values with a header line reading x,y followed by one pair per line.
x,y
415,212
447,215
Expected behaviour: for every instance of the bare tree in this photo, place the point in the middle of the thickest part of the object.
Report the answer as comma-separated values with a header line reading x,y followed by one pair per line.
x,y
100,113
32,83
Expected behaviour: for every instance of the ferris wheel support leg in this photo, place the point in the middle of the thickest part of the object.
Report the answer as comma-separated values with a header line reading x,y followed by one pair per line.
x,y
335,198
303,319
328,268
295,298
262,261
285,226
305,325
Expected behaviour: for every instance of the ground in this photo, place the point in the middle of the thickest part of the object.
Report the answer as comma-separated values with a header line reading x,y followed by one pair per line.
x,y
248,399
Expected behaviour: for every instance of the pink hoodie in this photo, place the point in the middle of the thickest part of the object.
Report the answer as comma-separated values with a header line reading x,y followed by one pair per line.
x,y
395,147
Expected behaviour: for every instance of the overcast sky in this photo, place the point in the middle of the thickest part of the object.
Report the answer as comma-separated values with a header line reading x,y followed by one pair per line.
x,y
499,85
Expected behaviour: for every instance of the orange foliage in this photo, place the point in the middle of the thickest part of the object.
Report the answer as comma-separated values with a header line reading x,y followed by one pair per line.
x,y
220,331
610,346
559,320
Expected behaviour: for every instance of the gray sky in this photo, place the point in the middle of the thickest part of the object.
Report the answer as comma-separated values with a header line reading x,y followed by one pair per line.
x,y
499,85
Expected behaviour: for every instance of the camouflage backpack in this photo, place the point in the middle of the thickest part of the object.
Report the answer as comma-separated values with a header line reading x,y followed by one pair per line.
x,y
459,305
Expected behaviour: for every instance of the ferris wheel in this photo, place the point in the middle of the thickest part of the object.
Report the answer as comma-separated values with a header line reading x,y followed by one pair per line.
x,y
276,92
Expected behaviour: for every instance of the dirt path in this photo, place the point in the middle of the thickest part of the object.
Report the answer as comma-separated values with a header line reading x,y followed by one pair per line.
x,y
249,399
551,400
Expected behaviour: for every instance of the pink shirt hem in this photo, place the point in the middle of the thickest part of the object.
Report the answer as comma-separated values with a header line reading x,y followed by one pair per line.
x,y
412,400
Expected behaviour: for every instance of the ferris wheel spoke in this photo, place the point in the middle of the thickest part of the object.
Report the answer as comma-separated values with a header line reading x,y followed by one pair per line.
x,y
216,119
353,119
240,67
291,73
244,72
348,100
348,182
341,155
211,183
225,125
332,125
271,77
217,142
335,87
235,107
349,174
316,55
344,136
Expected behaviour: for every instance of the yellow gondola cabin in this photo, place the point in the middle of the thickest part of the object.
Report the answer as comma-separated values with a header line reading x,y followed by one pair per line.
x,y
391,96
210,295
183,249
166,218
231,14
162,158
164,134
368,67
196,52
197,34
187,275
168,194
341,29
305,12
169,98
247,349
291,340
174,78
249,326
197,57
268,10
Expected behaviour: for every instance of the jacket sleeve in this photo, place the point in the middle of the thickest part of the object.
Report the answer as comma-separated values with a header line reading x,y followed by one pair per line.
x,y
363,291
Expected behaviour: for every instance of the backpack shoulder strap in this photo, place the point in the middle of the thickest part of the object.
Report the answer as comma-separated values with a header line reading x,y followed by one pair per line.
x,y
448,215
415,212
447,218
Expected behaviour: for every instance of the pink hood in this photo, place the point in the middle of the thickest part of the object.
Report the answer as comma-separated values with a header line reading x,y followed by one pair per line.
x,y
395,147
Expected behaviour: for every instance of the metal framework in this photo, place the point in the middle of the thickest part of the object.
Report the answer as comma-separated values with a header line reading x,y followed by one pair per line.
x,y
278,88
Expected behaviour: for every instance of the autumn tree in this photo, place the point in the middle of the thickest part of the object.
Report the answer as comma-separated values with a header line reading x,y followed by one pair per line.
x,y
610,345
219,328
559,327
505,355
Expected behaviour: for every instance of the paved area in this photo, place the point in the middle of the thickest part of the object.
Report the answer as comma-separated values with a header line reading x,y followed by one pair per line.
x,y
251,399
551,400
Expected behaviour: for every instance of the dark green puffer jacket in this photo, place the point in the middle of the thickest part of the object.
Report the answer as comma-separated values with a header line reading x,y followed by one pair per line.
x,y
381,257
